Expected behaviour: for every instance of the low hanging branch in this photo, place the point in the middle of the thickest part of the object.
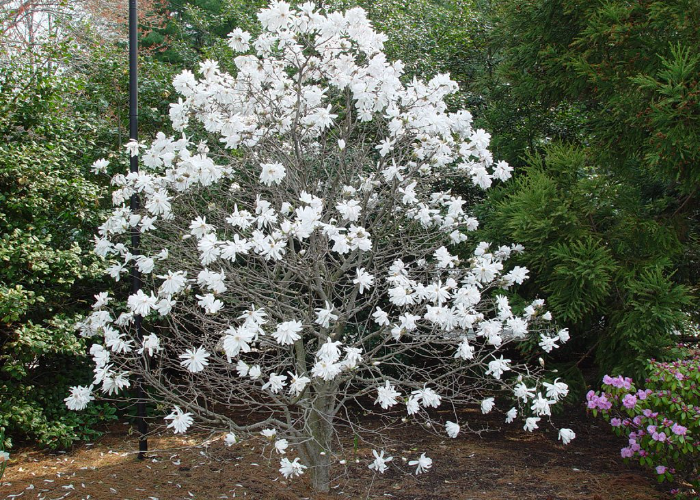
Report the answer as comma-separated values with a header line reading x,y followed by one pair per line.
x,y
300,263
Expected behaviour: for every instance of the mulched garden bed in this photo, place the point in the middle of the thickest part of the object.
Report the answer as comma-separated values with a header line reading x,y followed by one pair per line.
x,y
508,464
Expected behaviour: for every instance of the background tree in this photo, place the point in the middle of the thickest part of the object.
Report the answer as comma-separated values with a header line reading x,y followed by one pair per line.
x,y
598,103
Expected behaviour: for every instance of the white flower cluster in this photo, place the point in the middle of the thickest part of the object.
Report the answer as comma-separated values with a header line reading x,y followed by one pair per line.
x,y
295,258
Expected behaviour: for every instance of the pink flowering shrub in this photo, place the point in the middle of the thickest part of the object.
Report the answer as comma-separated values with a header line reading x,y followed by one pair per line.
x,y
661,420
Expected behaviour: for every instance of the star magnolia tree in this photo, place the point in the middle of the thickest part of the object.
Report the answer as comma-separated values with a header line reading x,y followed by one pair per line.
x,y
301,263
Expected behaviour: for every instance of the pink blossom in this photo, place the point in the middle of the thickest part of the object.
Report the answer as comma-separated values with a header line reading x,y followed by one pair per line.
x,y
592,400
626,453
660,469
629,401
679,430
617,382
603,402
659,436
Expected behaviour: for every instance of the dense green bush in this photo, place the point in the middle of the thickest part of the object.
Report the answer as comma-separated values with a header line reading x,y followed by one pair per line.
x,y
603,262
49,209
597,103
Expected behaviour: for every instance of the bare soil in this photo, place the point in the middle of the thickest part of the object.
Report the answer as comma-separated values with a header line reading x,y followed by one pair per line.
x,y
509,464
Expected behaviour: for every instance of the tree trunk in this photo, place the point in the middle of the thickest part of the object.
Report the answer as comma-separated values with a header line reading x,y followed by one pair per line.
x,y
321,473
317,449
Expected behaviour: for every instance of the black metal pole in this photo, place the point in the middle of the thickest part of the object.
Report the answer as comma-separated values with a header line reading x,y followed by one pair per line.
x,y
135,203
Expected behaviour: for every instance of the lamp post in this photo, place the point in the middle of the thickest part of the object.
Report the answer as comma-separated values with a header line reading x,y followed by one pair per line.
x,y
135,203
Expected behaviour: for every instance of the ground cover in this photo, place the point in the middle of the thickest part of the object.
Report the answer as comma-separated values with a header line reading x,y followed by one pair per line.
x,y
508,464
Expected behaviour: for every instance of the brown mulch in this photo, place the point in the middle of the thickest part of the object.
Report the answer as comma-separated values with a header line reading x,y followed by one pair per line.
x,y
510,464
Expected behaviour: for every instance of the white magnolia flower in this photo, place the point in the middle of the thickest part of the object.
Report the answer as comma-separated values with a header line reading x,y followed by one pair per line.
x,y
141,304
511,415
79,398
275,383
272,173
230,439
563,335
281,446
556,390
380,461
329,351
100,166
239,40
112,382
364,281
350,210
327,370
548,343
212,280
288,332
133,147
297,383
164,306
380,317
150,344
487,405
353,356
412,405
242,369
428,397
210,303
100,355
269,433
541,406
497,367
199,227
465,350
452,429
145,264
180,421
194,359
423,464
503,171
325,315
523,392
517,275
386,396
237,340
444,259
101,300
566,435
255,372
291,469
174,282
531,424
